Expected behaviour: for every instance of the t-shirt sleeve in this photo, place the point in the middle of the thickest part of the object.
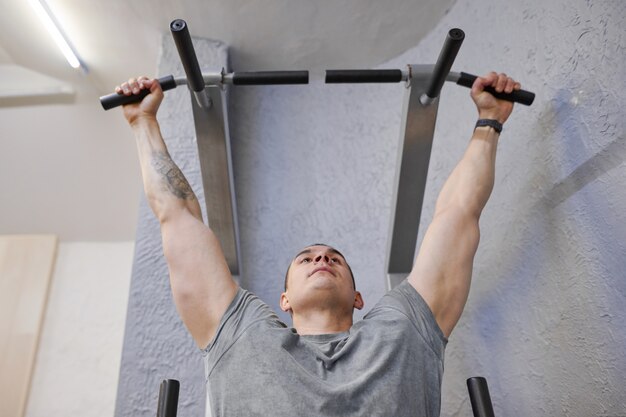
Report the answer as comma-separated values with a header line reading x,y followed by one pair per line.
x,y
404,302
244,311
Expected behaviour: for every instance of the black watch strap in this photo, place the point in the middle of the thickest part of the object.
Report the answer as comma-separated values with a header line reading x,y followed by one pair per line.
x,y
497,126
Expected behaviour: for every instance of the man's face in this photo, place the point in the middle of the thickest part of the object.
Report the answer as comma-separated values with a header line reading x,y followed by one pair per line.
x,y
319,277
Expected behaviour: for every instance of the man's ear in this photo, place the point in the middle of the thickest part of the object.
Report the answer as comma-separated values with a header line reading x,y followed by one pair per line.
x,y
358,300
284,303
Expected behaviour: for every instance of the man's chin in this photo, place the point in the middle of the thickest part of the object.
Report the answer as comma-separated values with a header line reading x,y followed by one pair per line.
x,y
323,283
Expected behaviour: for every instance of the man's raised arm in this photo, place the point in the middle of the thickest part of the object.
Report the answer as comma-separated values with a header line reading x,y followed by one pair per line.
x,y
201,282
443,268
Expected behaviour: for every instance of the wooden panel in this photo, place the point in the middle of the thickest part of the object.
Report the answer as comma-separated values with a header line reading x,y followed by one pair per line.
x,y
26,264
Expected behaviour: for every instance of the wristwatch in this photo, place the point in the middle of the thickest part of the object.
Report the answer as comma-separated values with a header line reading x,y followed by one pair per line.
x,y
497,126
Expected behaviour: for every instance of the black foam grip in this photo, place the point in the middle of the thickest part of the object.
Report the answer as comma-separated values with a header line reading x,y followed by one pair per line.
x,y
479,397
448,54
519,96
113,100
168,398
270,77
184,46
363,76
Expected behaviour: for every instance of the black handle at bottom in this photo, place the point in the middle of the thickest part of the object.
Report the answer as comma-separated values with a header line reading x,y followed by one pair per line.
x,y
168,398
114,100
519,96
479,397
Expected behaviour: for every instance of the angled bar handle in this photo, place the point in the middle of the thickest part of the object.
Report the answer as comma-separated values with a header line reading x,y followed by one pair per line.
x,y
168,398
479,397
184,45
448,54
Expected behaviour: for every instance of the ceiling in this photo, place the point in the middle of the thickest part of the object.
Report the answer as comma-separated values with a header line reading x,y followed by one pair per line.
x,y
118,39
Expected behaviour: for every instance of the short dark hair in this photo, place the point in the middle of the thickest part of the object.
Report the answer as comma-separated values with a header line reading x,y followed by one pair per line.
x,y
328,246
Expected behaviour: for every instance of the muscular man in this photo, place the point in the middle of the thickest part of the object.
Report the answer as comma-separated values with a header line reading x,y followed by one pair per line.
x,y
388,364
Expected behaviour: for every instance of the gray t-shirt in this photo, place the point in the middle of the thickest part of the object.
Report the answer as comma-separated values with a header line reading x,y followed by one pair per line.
x,y
388,364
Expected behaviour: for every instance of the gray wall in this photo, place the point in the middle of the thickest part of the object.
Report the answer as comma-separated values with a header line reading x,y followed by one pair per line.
x,y
545,322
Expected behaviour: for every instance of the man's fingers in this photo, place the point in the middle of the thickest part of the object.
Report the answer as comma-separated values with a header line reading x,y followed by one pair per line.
x,y
153,85
144,82
125,87
134,85
479,85
486,81
128,86
501,82
508,88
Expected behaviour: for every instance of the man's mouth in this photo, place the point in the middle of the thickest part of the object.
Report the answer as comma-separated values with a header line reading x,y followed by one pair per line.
x,y
323,268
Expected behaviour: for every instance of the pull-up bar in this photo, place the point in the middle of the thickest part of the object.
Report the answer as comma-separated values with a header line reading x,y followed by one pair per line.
x,y
440,73
366,76
169,82
395,76
197,81
423,82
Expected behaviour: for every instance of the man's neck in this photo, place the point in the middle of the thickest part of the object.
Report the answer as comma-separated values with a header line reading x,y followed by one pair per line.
x,y
321,322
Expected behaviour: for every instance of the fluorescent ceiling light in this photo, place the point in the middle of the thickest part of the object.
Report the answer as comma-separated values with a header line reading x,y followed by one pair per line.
x,y
44,13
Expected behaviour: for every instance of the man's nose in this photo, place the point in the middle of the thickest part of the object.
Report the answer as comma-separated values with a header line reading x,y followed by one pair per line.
x,y
319,258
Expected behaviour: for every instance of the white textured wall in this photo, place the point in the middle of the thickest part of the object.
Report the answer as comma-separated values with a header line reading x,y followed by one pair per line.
x,y
545,320
77,366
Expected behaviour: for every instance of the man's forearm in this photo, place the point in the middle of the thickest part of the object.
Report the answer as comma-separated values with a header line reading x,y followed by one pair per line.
x,y
165,186
469,186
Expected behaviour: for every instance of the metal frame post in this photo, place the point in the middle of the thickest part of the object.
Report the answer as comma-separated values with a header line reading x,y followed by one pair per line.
x,y
418,129
211,123
416,139
216,166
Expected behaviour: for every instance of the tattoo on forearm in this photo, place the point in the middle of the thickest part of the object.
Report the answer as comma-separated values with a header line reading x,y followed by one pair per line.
x,y
173,177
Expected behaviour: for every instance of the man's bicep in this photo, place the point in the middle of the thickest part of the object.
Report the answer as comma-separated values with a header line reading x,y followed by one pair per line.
x,y
201,282
443,268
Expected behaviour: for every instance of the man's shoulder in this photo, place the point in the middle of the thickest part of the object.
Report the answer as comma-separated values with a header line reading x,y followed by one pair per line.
x,y
404,306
